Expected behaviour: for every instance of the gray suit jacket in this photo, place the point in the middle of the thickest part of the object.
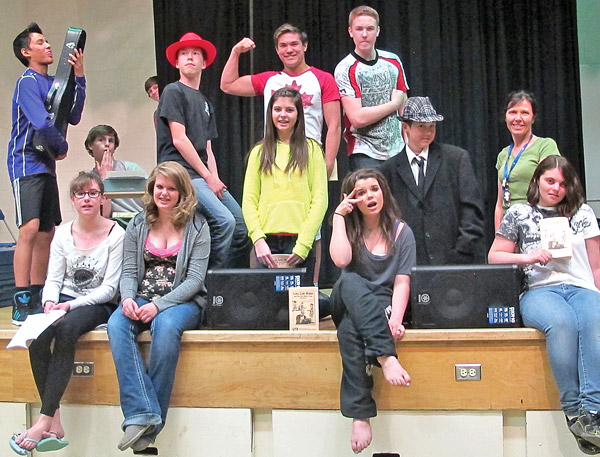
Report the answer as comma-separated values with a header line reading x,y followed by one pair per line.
x,y
447,220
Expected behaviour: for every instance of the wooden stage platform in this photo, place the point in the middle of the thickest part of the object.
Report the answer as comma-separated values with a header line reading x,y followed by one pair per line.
x,y
285,370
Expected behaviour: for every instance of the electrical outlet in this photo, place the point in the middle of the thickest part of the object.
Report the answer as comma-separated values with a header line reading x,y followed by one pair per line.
x,y
467,371
83,369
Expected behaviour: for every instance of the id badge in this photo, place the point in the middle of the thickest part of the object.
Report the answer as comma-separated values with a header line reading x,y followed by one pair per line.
x,y
505,197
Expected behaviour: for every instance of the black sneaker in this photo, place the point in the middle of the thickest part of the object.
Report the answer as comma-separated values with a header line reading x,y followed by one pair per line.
x,y
584,446
587,427
35,303
21,301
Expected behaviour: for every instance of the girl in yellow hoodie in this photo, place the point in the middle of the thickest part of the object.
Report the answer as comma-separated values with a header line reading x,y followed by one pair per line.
x,y
285,188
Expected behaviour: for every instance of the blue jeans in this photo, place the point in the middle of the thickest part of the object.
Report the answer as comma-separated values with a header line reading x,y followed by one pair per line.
x,y
570,318
229,242
145,392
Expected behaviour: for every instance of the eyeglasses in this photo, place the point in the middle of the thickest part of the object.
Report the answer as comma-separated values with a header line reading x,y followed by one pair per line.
x,y
92,194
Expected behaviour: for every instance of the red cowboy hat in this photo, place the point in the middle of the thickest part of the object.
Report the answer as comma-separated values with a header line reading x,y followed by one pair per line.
x,y
192,40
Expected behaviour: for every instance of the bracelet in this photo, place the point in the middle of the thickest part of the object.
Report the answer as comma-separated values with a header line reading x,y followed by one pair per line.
x,y
339,214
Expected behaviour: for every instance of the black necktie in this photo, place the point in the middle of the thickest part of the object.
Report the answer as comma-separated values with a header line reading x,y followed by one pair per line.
x,y
420,161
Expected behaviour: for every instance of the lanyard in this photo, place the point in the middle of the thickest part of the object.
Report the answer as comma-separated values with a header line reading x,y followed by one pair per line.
x,y
507,172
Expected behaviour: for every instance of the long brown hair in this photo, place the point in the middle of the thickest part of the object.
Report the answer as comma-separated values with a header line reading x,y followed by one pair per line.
x,y
573,200
298,145
390,212
184,210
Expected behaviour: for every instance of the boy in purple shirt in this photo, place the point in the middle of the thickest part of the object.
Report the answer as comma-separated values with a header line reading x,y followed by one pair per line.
x,y
32,174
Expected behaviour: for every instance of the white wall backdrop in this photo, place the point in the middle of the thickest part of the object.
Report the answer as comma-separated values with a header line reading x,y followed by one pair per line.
x,y
119,56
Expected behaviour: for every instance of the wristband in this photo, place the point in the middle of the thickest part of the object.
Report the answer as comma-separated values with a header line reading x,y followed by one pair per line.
x,y
339,214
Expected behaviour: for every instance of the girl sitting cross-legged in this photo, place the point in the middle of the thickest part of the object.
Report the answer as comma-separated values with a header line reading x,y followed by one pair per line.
x,y
376,250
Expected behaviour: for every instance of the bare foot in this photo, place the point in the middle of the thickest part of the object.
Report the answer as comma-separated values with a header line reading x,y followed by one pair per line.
x,y
393,371
29,438
56,429
361,434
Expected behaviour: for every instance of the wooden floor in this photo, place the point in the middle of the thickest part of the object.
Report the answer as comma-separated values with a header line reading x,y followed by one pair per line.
x,y
5,319
292,370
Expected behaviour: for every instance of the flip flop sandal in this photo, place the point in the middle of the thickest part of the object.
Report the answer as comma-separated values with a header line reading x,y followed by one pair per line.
x,y
52,443
18,449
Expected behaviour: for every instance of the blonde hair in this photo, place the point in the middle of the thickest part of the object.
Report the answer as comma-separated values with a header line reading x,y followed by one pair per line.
x,y
363,10
186,206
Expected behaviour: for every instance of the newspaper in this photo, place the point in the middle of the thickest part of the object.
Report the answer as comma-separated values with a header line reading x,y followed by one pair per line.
x,y
33,327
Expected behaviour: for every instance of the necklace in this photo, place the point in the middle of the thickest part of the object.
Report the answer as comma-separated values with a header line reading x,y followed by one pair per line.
x,y
374,245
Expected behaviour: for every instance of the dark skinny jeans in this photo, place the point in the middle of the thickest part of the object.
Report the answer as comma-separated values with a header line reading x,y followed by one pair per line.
x,y
363,335
52,367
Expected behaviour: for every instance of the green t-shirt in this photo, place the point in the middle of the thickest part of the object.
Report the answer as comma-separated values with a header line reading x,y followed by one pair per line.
x,y
518,181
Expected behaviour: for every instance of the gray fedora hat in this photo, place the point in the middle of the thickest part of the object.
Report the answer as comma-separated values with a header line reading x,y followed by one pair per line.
x,y
419,109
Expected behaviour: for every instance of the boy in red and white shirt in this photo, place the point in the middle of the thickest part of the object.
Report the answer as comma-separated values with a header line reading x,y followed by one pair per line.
x,y
320,97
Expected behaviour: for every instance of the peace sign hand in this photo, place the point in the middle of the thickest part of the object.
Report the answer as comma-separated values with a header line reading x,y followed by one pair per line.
x,y
347,204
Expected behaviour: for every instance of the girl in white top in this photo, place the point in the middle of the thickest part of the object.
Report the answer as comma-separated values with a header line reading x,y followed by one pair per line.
x,y
562,297
83,275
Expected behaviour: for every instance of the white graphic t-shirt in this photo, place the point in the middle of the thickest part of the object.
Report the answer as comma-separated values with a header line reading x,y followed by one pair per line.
x,y
372,82
521,224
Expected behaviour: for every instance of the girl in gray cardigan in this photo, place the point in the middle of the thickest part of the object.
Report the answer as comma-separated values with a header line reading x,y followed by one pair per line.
x,y
165,259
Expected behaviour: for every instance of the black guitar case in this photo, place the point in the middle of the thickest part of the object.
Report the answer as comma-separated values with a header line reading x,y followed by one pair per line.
x,y
62,93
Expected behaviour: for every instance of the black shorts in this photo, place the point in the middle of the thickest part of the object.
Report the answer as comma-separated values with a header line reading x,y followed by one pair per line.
x,y
36,197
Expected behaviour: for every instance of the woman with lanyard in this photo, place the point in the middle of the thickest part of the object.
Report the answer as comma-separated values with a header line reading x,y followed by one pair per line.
x,y
516,162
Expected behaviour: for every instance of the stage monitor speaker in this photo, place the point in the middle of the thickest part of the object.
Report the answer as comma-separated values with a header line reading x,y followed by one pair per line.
x,y
250,299
469,296
7,278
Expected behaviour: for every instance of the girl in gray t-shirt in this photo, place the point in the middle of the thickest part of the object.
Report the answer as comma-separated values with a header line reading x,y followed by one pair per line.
x,y
376,251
